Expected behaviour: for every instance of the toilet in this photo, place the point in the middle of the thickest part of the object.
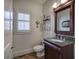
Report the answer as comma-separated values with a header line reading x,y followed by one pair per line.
x,y
39,49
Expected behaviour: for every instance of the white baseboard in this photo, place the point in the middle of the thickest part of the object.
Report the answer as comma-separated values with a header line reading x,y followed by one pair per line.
x,y
19,53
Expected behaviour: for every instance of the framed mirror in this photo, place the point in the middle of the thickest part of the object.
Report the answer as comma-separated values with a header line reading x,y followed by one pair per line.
x,y
64,19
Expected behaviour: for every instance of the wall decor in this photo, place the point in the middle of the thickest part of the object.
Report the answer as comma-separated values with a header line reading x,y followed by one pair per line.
x,y
37,23
66,24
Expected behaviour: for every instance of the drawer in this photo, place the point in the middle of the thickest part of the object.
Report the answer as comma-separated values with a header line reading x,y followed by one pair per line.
x,y
53,46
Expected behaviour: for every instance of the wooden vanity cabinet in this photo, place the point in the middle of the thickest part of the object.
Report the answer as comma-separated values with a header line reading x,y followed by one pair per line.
x,y
53,51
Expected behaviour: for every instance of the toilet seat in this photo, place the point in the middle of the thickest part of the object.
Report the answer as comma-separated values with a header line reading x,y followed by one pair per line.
x,y
38,48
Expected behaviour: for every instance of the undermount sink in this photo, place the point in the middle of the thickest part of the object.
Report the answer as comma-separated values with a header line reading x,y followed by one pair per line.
x,y
56,40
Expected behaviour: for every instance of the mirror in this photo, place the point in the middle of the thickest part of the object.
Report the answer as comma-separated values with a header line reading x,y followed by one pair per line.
x,y
63,20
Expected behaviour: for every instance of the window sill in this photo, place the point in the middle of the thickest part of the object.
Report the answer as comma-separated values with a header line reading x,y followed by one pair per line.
x,y
22,32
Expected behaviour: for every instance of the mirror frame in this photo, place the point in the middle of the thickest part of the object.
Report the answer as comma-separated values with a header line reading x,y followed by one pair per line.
x,y
61,7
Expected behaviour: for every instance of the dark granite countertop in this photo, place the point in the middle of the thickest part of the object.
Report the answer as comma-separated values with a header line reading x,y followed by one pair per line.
x,y
61,44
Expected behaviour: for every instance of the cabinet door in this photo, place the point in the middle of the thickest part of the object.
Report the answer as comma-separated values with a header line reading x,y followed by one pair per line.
x,y
51,52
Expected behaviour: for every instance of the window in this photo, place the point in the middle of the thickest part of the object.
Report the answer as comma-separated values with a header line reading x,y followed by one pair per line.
x,y
23,22
11,20
7,25
8,16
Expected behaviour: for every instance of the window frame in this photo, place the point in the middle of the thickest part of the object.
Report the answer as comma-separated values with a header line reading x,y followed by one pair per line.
x,y
23,31
10,20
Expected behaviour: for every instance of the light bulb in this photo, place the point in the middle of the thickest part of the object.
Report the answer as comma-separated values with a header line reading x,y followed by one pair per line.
x,y
63,1
54,5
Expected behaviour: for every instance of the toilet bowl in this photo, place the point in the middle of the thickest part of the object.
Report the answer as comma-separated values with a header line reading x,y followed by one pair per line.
x,y
39,49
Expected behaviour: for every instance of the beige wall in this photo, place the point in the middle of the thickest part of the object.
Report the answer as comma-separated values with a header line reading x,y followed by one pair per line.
x,y
24,42
48,11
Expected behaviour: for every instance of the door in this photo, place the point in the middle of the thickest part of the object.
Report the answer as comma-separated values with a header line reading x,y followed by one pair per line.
x,y
51,52
8,29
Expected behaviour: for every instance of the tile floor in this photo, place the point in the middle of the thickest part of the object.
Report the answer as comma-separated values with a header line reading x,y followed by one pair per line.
x,y
28,56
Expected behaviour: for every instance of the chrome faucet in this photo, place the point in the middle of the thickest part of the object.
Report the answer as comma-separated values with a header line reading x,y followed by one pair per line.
x,y
62,38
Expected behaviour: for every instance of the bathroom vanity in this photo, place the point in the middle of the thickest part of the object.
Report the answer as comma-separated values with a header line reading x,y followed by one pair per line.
x,y
64,25
59,50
